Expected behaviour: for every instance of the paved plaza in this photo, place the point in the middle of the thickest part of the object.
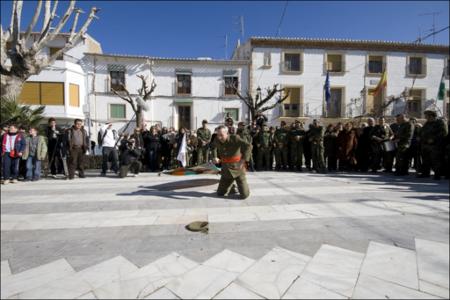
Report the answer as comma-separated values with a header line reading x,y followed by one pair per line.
x,y
299,235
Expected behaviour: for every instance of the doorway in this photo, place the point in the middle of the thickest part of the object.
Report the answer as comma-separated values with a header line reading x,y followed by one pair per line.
x,y
184,116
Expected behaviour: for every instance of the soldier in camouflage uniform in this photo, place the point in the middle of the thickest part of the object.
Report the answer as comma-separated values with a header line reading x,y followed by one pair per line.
x,y
204,138
281,147
403,139
316,134
233,153
432,138
296,137
264,143
244,133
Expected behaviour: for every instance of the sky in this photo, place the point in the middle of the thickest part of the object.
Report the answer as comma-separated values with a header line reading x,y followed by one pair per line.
x,y
198,28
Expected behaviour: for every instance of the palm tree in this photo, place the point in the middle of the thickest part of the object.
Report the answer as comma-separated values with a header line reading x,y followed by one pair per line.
x,y
22,115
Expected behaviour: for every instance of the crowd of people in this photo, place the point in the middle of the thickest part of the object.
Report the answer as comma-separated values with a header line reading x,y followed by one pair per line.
x,y
372,146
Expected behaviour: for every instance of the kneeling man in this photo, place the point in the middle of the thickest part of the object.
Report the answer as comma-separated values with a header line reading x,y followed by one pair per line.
x,y
233,153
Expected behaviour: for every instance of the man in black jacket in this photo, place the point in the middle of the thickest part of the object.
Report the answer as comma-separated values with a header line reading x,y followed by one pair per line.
x,y
129,159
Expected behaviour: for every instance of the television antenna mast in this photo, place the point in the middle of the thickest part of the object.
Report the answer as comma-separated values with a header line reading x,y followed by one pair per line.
x,y
433,28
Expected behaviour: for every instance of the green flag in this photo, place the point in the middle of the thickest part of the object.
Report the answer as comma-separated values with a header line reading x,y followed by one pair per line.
x,y
441,93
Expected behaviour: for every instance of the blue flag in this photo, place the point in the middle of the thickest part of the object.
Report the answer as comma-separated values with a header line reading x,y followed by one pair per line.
x,y
326,87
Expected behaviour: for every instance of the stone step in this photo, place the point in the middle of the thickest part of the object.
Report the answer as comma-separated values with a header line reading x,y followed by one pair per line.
x,y
433,267
390,263
146,280
84,281
208,279
274,273
15,284
5,270
235,291
369,287
333,269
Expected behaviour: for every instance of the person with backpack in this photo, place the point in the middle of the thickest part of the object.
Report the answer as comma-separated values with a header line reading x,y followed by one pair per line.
x,y
107,139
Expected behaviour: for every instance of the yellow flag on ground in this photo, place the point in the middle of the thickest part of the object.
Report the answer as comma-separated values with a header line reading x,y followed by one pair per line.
x,y
381,84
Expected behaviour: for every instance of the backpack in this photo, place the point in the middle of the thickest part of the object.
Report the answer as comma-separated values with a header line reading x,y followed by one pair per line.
x,y
100,137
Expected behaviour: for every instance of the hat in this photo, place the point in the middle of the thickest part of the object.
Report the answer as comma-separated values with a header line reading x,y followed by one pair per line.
x,y
204,121
241,123
430,112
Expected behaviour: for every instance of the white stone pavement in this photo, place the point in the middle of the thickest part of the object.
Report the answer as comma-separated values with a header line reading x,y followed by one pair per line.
x,y
297,236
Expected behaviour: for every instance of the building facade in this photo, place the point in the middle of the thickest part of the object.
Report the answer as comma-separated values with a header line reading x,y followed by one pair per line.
x,y
300,66
79,84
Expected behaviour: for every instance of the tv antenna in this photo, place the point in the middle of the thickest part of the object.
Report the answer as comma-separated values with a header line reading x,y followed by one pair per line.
x,y
239,22
433,29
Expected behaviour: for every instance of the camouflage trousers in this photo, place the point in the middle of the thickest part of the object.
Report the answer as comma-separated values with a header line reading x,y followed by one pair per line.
x,y
432,159
281,157
296,157
202,154
317,157
226,182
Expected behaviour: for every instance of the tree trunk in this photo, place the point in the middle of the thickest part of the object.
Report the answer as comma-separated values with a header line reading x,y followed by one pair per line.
x,y
139,118
11,86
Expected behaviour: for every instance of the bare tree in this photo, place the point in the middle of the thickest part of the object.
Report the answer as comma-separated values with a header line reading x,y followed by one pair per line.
x,y
259,104
144,92
19,57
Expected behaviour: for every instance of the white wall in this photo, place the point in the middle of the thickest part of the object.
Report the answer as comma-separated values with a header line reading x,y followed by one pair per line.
x,y
313,77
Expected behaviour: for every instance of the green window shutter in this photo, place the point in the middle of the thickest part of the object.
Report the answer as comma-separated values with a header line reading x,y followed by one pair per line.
x,y
117,111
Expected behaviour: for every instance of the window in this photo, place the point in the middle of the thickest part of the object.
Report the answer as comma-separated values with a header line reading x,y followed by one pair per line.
x,y
267,59
414,103
293,106
52,93
53,50
416,66
335,63
375,64
232,112
292,62
231,85
74,95
183,84
117,111
117,80
42,93
31,93
334,107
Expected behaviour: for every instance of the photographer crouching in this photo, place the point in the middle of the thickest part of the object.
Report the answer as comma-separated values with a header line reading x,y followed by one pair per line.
x,y
129,158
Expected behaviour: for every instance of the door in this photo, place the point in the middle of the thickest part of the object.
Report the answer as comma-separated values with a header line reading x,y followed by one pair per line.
x,y
184,116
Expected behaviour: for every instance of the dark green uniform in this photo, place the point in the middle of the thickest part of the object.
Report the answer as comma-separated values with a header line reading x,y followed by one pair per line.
x,y
245,134
264,144
281,148
403,136
432,137
316,138
296,137
232,147
204,138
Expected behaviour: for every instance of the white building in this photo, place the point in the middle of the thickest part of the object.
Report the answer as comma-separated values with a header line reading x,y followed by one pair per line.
x,y
192,89
355,68
187,90
62,86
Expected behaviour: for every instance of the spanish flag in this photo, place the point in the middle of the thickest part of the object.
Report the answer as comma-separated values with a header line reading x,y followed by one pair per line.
x,y
381,84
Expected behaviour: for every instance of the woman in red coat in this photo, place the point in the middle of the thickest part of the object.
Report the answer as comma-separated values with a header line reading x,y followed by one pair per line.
x,y
347,142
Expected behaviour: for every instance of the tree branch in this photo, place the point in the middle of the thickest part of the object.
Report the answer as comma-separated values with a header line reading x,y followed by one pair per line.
x,y
46,15
17,13
75,21
75,38
275,104
33,22
144,91
126,97
44,38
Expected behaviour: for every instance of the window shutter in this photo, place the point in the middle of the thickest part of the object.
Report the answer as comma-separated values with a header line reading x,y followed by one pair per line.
x,y
30,93
52,93
74,95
